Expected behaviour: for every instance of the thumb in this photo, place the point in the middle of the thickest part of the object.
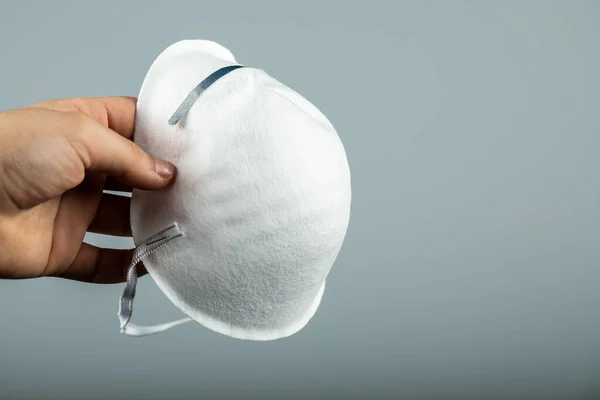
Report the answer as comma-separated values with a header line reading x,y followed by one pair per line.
x,y
103,150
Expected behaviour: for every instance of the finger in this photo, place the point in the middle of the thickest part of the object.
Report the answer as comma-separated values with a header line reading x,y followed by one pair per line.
x,y
116,186
120,113
112,217
97,265
76,210
116,113
101,149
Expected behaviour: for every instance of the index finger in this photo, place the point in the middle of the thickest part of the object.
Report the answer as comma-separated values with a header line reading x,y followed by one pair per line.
x,y
114,112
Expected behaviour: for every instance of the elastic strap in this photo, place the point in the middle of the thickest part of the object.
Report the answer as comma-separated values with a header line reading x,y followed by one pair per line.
x,y
146,248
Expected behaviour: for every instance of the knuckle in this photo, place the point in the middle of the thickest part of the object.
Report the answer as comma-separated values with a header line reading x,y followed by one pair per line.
x,y
139,155
79,136
79,124
79,117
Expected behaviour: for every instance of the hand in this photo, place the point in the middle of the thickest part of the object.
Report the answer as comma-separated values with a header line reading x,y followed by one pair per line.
x,y
56,158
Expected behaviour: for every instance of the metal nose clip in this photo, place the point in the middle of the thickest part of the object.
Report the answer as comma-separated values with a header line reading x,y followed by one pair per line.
x,y
197,91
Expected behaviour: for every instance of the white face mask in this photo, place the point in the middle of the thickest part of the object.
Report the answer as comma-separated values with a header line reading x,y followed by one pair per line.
x,y
244,238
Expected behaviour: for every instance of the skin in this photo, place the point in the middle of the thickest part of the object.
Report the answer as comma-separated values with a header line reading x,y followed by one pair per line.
x,y
56,158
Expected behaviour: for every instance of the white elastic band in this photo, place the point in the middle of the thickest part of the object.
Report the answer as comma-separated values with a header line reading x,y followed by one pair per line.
x,y
146,248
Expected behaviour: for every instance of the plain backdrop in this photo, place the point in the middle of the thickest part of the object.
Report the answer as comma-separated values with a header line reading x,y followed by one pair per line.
x,y
471,267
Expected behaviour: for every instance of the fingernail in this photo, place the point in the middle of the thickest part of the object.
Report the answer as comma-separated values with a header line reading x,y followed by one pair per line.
x,y
164,169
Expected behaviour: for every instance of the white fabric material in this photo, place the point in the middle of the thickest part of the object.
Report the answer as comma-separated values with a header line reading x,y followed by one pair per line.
x,y
262,191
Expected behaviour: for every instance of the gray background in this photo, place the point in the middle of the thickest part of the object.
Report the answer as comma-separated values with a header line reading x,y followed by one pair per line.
x,y
471,266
